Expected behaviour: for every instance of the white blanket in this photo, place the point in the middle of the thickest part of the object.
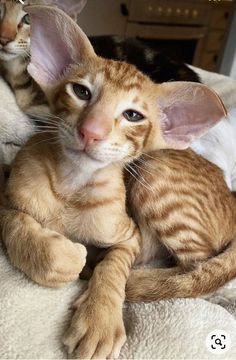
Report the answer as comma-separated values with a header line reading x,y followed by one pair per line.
x,y
15,127
33,319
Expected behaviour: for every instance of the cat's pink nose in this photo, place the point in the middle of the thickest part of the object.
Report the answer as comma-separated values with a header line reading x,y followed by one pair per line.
x,y
89,136
95,127
4,41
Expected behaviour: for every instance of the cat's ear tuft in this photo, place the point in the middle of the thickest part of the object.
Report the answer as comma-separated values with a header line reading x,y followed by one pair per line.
x,y
57,42
187,111
71,7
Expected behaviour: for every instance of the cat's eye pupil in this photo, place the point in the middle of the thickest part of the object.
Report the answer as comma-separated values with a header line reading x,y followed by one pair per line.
x,y
132,115
82,92
26,19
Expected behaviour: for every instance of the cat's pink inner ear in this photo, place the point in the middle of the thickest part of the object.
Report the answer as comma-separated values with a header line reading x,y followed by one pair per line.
x,y
187,111
56,43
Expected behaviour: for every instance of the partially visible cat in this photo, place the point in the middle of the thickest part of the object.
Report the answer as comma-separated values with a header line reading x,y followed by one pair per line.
x,y
157,65
15,53
67,184
14,57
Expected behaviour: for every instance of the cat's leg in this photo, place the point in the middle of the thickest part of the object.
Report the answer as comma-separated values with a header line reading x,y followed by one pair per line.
x,y
46,256
97,328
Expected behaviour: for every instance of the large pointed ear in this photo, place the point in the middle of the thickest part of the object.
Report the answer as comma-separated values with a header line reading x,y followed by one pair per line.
x,y
69,6
57,42
187,111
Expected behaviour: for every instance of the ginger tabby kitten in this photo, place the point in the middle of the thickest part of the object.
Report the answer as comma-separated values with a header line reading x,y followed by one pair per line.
x,y
67,190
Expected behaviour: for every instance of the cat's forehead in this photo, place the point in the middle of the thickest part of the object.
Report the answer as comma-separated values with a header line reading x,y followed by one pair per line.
x,y
114,74
13,11
122,75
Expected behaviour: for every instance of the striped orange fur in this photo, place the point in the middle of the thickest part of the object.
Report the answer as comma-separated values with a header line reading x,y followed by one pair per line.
x,y
190,211
67,189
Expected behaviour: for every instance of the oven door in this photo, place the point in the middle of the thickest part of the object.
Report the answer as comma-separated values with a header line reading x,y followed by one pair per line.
x,y
182,43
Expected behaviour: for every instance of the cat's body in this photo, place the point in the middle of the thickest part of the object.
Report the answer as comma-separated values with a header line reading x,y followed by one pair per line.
x,y
189,209
67,184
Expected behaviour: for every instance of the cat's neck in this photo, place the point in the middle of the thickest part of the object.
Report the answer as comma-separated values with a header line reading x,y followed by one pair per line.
x,y
85,175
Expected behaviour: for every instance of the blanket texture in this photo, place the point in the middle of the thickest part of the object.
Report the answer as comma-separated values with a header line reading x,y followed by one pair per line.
x,y
33,319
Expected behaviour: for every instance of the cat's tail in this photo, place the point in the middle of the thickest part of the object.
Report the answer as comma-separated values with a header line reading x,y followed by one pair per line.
x,y
206,277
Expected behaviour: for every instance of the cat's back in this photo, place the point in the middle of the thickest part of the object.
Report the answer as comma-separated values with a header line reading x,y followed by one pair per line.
x,y
181,187
180,169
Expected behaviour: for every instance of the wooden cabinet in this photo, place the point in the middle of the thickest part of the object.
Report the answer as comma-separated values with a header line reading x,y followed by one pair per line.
x,y
204,21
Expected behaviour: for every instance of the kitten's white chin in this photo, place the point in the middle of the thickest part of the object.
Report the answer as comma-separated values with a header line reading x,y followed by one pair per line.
x,y
76,170
6,56
83,159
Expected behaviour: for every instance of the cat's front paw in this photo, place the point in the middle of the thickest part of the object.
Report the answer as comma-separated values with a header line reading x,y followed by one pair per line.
x,y
62,262
96,331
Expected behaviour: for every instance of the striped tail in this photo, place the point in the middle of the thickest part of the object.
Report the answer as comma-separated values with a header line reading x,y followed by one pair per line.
x,y
206,277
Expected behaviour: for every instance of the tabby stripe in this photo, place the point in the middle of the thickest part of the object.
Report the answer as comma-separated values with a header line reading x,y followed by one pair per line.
x,y
173,206
185,250
173,231
134,142
94,204
149,129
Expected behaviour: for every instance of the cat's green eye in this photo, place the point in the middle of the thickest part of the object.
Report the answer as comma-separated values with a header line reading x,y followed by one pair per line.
x,y
26,19
82,92
132,115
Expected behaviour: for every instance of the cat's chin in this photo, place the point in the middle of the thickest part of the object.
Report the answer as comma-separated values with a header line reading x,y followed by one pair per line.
x,y
82,156
7,56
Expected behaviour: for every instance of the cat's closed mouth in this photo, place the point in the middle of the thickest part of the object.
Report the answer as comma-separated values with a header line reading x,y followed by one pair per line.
x,y
6,51
79,152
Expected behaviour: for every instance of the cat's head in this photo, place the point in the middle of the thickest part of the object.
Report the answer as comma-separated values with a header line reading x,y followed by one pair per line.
x,y
14,30
15,25
108,110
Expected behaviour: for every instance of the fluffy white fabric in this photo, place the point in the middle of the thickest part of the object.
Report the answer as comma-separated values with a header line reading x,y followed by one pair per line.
x,y
15,127
219,147
33,319
219,144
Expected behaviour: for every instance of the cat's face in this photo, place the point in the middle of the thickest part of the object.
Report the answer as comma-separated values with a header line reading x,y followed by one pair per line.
x,y
14,31
108,111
